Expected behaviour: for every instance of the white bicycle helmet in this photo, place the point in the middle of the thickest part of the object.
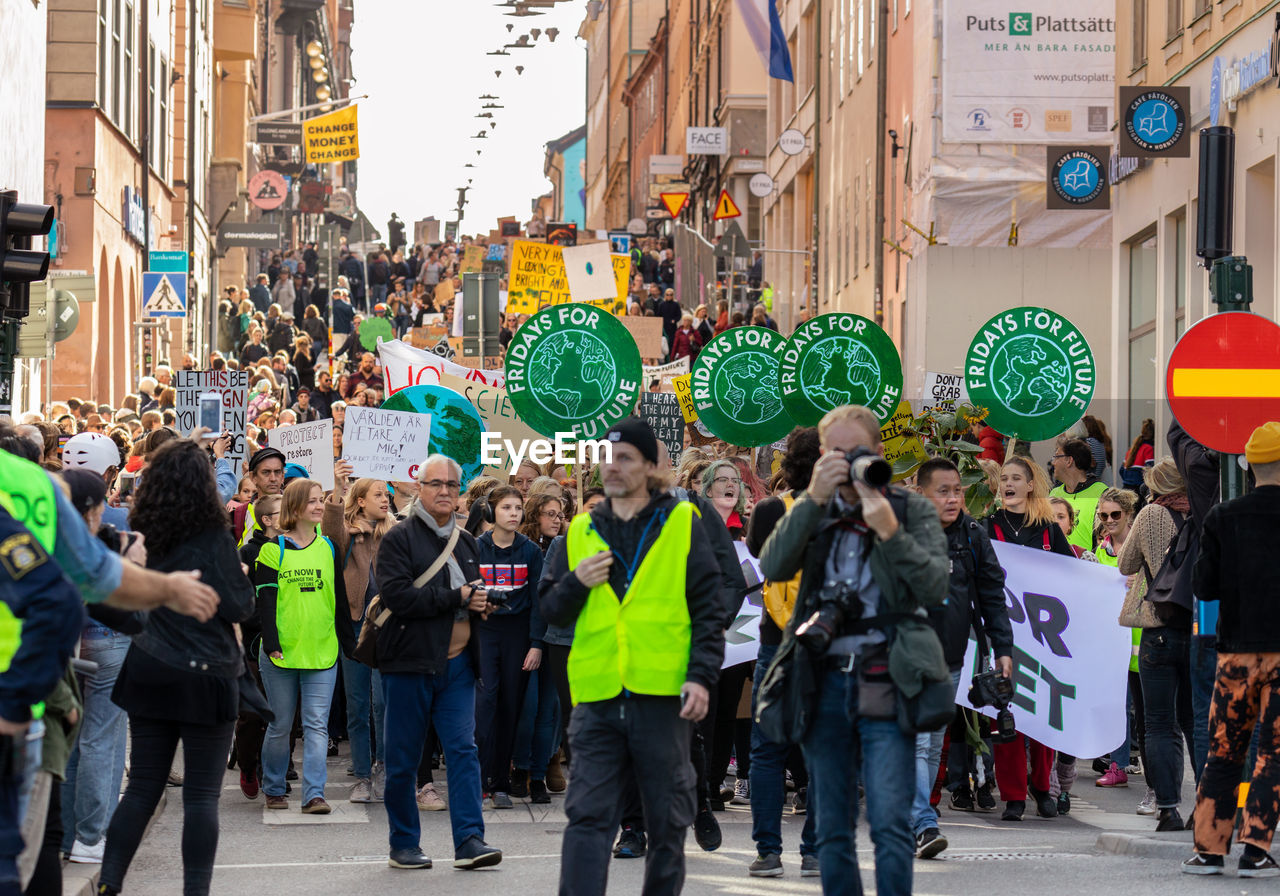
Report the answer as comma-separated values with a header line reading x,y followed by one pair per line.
x,y
90,451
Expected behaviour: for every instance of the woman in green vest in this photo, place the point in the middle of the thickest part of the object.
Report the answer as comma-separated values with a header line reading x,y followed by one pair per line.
x,y
302,602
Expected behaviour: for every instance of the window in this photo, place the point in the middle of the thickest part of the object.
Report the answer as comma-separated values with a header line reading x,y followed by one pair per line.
x,y
127,124
1139,33
841,10
857,243
160,135
866,202
151,96
1202,8
861,36
1144,366
102,55
1173,27
1180,276
116,58
871,8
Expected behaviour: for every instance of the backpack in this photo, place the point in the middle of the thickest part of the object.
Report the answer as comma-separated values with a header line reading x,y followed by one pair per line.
x,y
1171,584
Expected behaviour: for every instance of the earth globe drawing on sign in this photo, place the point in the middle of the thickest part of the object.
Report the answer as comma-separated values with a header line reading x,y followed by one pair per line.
x,y
838,371
1030,374
455,423
747,384
572,375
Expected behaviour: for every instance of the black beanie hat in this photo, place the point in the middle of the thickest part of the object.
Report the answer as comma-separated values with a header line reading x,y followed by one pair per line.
x,y
638,434
88,489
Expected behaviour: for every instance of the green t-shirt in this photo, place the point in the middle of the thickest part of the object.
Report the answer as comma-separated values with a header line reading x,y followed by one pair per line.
x,y
1085,503
305,605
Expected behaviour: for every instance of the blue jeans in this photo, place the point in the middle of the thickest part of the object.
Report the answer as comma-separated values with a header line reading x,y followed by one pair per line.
x,y
364,690
377,293
838,747
35,752
539,727
96,765
768,776
928,758
1164,664
449,702
282,687
1204,671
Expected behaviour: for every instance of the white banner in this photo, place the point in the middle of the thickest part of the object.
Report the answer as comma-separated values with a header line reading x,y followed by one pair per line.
x,y
403,365
386,445
233,386
1070,658
942,391
665,373
742,640
1036,72
310,445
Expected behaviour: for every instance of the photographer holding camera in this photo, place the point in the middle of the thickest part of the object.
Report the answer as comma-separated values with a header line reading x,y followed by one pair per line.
x,y
873,559
975,601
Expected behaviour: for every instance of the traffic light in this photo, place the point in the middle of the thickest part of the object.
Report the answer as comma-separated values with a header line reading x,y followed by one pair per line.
x,y
19,264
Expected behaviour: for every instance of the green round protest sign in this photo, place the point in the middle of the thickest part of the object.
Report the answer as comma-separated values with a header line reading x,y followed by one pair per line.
x,y
838,359
1033,370
456,425
372,329
735,387
573,368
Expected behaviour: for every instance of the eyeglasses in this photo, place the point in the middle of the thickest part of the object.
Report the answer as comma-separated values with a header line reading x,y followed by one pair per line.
x,y
1115,515
721,480
1057,457
436,485
552,515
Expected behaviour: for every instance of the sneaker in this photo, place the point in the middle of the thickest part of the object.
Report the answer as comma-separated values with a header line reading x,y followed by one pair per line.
x,y
1134,769
1046,806
741,793
766,865
538,793
1265,866
379,781
986,801
429,800
362,792
631,844
706,830
291,774
1170,820
1115,777
249,786
962,800
726,792
83,854
520,784
1203,863
1013,810
408,859
500,800
333,747
175,779
555,775
1148,804
316,806
1064,803
809,867
800,801
277,802
929,843
475,853
1102,764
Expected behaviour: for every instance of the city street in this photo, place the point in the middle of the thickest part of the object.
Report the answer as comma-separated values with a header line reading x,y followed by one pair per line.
x,y
286,853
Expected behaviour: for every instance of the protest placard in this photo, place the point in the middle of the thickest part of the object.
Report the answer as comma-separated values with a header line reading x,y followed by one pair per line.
x,y
742,638
903,449
387,445
309,445
499,418
472,260
942,392
537,278
403,365
683,388
1070,660
661,410
233,386
665,373
647,332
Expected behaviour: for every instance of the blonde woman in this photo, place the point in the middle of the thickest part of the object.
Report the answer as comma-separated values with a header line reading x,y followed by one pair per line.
x,y
355,520
1025,518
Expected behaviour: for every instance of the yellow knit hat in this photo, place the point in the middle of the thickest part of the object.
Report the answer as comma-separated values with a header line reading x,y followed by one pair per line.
x,y
1264,444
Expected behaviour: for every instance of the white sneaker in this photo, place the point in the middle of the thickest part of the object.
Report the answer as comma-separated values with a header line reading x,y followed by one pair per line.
x,y
1134,769
741,793
1148,804
88,855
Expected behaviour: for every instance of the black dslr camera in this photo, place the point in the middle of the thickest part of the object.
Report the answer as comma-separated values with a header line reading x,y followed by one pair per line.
x,y
868,467
990,688
838,604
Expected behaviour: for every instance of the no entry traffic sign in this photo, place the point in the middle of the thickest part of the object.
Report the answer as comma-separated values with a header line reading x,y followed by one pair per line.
x,y
1223,379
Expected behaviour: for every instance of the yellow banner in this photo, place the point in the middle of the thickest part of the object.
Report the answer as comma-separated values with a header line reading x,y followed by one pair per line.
x,y
333,137
537,279
472,260
900,443
684,392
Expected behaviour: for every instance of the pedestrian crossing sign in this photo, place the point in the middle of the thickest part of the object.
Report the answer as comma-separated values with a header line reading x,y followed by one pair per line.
x,y
164,294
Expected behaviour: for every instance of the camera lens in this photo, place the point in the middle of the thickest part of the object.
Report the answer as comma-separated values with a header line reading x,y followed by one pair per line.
x,y
873,470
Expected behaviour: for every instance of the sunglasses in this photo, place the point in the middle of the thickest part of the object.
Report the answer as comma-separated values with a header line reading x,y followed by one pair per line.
x,y
1114,516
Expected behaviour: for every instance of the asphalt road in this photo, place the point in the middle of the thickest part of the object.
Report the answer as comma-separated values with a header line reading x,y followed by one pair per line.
x,y
286,853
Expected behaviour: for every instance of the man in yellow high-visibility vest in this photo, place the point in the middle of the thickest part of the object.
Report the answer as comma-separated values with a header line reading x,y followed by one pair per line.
x,y
640,582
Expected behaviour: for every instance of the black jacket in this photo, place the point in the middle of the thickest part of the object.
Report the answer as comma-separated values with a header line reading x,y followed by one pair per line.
x,y
733,584
976,591
179,641
1199,468
416,637
1236,567
563,596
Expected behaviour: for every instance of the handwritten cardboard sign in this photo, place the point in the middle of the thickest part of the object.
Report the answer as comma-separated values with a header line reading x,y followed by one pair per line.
x,y
309,445
233,386
386,445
